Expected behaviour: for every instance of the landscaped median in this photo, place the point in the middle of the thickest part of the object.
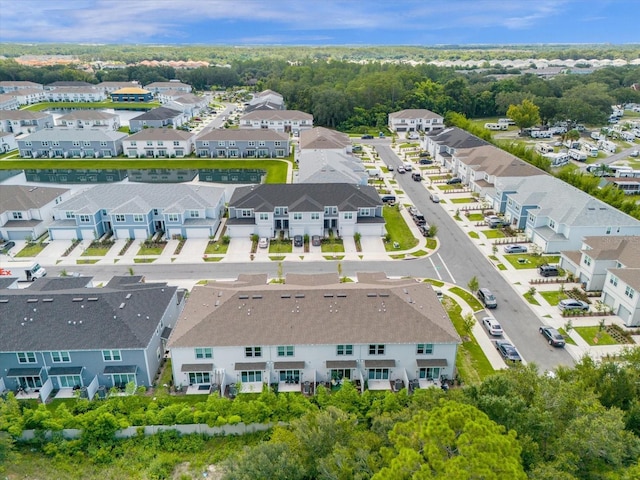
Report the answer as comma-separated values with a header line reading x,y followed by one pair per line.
x,y
399,235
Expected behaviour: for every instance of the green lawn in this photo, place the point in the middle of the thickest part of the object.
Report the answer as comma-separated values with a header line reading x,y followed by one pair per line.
x,y
531,260
493,233
96,251
276,169
86,261
281,246
471,362
531,299
566,336
553,297
107,104
594,336
501,266
398,230
473,302
474,235
419,253
332,245
444,187
144,260
432,243
31,250
475,217
434,282
463,200
151,250
218,247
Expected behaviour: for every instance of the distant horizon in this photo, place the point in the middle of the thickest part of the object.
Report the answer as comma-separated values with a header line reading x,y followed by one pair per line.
x,y
329,23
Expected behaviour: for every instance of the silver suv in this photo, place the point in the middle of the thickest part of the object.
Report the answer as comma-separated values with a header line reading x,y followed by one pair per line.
x,y
487,298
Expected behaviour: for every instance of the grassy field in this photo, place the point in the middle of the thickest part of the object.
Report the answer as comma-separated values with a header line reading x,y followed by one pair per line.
x,y
553,297
276,169
31,250
398,230
566,336
474,235
92,105
475,217
594,336
530,298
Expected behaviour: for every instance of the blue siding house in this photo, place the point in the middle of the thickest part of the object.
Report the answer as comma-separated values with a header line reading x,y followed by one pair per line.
x,y
60,335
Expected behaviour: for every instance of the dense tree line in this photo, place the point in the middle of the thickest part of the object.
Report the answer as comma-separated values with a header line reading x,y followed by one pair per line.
x,y
583,423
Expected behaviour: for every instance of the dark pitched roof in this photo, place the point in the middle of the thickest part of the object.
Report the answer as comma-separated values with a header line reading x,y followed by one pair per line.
x,y
305,197
78,318
457,138
160,113
70,83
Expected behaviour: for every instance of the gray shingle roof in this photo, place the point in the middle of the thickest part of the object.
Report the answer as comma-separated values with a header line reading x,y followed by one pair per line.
x,y
167,134
320,137
64,134
376,310
87,115
277,115
81,318
160,113
455,137
18,197
415,113
264,198
23,115
328,166
265,134
147,196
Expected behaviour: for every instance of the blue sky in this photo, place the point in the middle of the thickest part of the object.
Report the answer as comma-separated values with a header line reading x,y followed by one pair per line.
x,y
320,22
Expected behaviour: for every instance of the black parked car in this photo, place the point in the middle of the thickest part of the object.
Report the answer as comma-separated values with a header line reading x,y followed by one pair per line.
x,y
298,241
454,180
508,351
552,335
366,137
6,246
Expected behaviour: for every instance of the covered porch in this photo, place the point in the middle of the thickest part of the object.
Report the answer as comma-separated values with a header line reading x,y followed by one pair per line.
x,y
289,376
429,373
28,382
378,374
200,378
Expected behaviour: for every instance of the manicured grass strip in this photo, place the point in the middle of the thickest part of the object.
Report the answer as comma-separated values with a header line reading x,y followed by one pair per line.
x,y
531,299
96,251
434,282
86,261
397,257
332,245
473,302
333,257
432,243
463,200
531,260
475,217
277,258
566,336
474,235
494,233
144,260
31,250
398,230
281,246
594,336
471,362
419,253
150,250
218,247
553,297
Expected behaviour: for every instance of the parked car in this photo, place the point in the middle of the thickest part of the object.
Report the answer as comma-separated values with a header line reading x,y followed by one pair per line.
x,y
424,230
487,298
401,169
298,241
492,326
494,221
435,198
366,137
315,240
548,270
426,161
6,246
552,335
390,168
515,249
412,211
391,199
573,304
263,242
454,180
416,177
419,219
508,351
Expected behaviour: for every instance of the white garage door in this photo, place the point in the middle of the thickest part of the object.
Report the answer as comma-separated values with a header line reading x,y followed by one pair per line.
x,y
122,233
19,234
623,313
63,234
197,232
87,234
140,233
172,232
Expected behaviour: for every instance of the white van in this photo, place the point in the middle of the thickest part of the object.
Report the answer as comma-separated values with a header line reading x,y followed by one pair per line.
x,y
544,148
577,155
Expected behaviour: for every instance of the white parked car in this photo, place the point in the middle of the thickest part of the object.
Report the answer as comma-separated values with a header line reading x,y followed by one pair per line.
x,y
492,326
263,242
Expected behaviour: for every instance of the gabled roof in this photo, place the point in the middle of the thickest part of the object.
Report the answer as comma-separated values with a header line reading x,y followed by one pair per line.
x,y
167,134
23,115
77,318
329,166
70,134
414,113
89,114
21,198
70,83
21,84
224,134
373,310
153,85
131,91
455,137
277,115
625,249
143,197
320,137
264,198
159,113
495,161
77,89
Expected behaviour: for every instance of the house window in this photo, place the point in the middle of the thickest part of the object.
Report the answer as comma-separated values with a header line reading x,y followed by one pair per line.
x,y
194,214
133,143
348,215
344,350
173,217
111,355
149,143
330,210
552,224
55,143
281,210
84,218
60,357
176,143
205,144
199,377
69,215
315,216
285,351
378,374
629,292
138,218
608,232
613,280
155,211
45,144
232,143
121,379
17,215
297,216
204,352
251,376
424,348
251,144
586,260
264,216
290,376
103,144
28,144
26,357
86,143
252,351
430,373
277,143
375,349
261,143
531,218
246,213
221,143
120,218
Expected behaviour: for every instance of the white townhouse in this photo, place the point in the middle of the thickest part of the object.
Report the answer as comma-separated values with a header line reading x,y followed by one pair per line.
x,y
12,86
90,119
415,120
330,166
76,94
8,102
442,145
159,143
7,142
159,87
24,121
321,138
610,265
29,96
110,87
379,333
288,121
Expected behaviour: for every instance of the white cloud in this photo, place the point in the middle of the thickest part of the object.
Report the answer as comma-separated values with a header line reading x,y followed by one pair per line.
x,y
128,21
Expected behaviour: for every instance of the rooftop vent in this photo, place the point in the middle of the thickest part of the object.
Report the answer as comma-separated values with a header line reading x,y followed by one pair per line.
x,y
299,295
32,300
341,295
217,303
92,299
128,296
285,295
122,305
371,294
406,292
47,299
257,297
383,294
77,299
328,295
4,300
243,297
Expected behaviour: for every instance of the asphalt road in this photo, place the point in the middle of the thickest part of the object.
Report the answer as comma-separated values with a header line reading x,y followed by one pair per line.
x,y
456,261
